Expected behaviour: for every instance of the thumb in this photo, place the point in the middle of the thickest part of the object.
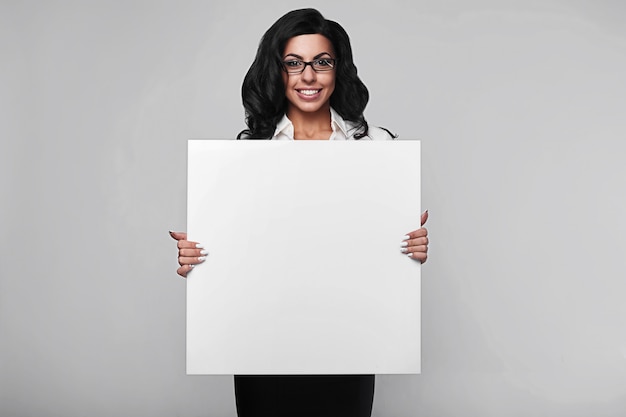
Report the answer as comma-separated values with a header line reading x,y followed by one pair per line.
x,y
178,235
424,217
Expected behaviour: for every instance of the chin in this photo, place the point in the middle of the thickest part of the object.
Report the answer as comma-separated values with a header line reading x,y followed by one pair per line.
x,y
314,107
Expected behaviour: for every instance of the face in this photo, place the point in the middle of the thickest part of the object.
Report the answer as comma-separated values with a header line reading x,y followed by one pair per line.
x,y
310,91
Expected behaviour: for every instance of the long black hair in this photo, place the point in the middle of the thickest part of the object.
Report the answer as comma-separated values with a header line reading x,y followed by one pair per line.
x,y
263,90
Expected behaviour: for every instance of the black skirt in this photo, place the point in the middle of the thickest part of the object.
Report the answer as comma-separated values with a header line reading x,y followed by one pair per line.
x,y
304,395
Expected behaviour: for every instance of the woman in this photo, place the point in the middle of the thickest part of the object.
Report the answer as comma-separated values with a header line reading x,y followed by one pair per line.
x,y
303,85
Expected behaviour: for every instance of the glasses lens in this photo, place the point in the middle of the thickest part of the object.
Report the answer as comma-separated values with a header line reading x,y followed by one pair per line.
x,y
293,66
324,64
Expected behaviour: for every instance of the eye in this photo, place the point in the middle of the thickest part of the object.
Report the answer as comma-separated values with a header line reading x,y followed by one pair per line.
x,y
294,63
324,62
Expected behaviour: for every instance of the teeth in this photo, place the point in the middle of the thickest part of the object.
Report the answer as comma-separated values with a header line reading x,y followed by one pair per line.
x,y
309,92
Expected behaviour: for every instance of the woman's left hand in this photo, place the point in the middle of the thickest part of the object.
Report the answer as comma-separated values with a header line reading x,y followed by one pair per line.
x,y
415,244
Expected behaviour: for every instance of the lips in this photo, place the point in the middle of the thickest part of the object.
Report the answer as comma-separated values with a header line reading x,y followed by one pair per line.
x,y
309,93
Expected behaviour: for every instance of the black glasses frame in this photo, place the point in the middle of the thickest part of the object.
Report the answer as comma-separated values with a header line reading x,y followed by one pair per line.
x,y
332,62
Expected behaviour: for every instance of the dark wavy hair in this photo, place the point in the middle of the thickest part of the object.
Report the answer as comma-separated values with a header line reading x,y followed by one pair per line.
x,y
263,90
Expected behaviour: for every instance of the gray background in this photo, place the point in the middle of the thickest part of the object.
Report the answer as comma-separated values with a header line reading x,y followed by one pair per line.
x,y
520,106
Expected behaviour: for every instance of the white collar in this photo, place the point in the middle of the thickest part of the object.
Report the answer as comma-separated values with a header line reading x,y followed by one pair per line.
x,y
285,126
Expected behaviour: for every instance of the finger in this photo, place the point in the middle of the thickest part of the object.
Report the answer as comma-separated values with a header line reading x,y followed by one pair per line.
x,y
416,233
178,235
182,244
192,252
414,242
424,217
418,256
413,249
184,270
190,260
418,242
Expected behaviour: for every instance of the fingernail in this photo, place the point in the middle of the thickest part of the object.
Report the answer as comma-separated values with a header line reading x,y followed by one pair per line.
x,y
403,250
409,254
199,246
406,237
201,259
403,244
191,266
203,252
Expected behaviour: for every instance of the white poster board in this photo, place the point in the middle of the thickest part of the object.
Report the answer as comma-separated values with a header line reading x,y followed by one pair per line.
x,y
304,273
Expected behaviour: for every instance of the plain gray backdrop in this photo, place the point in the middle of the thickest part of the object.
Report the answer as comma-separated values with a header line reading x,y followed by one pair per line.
x,y
520,106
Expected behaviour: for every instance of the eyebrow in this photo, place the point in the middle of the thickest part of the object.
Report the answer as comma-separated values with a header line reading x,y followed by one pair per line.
x,y
314,58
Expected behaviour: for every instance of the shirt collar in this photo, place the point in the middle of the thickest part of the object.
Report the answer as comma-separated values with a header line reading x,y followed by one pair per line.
x,y
284,126
336,122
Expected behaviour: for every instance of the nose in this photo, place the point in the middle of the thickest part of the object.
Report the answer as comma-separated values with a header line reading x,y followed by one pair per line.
x,y
308,75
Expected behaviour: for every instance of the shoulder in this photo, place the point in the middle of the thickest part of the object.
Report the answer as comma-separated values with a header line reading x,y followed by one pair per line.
x,y
373,133
379,133
351,128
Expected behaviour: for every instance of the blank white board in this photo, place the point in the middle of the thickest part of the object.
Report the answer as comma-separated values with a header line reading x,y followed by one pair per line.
x,y
304,273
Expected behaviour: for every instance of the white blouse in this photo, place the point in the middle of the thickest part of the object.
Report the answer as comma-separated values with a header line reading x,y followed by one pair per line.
x,y
342,129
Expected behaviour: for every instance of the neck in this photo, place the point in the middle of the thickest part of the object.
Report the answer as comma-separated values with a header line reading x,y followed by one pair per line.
x,y
311,125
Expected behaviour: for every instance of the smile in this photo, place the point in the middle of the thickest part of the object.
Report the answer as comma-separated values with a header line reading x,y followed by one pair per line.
x,y
308,92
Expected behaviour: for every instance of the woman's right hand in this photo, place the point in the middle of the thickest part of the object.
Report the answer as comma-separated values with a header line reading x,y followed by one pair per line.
x,y
189,253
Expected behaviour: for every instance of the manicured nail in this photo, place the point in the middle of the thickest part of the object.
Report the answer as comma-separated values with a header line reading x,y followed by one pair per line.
x,y
203,252
409,254
199,246
201,259
403,250
406,237
403,244
191,266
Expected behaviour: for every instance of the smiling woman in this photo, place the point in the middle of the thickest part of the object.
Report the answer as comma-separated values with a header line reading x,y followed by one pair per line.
x,y
303,84
309,85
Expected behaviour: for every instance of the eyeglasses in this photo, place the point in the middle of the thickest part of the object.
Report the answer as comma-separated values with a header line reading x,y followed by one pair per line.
x,y
296,66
